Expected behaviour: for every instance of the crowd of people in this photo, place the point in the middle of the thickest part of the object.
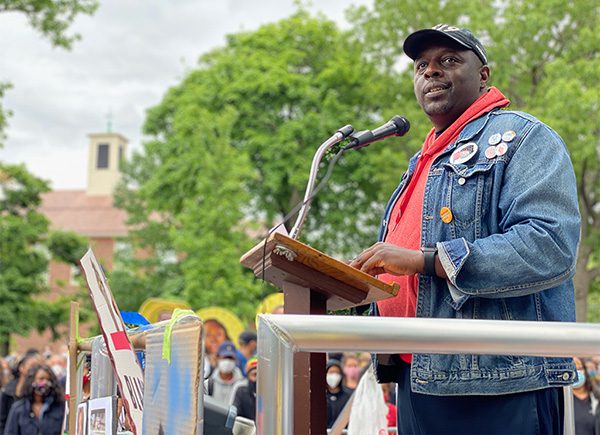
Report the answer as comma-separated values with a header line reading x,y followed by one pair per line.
x,y
230,377
32,400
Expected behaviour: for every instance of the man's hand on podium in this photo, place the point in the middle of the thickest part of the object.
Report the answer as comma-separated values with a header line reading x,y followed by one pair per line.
x,y
387,258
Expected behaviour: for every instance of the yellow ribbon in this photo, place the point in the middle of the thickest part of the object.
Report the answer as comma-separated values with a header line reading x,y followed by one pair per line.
x,y
178,313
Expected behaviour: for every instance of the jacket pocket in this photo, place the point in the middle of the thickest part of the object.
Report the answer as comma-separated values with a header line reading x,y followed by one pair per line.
x,y
468,194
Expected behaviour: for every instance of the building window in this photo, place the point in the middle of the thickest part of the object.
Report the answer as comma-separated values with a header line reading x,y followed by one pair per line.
x,y
102,162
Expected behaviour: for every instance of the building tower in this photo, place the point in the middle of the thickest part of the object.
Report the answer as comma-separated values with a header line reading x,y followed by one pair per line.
x,y
106,152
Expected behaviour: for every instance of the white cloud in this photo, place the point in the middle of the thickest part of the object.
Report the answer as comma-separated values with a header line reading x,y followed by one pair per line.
x,y
131,52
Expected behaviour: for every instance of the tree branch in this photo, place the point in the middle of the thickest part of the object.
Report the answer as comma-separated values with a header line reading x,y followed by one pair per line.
x,y
583,190
584,221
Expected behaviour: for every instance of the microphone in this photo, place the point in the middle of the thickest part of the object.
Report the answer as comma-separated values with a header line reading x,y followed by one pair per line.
x,y
345,131
397,126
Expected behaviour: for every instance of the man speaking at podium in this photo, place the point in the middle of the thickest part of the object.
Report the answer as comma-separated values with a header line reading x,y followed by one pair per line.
x,y
484,225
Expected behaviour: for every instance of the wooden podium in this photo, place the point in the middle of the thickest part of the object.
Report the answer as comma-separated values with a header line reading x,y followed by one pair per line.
x,y
312,283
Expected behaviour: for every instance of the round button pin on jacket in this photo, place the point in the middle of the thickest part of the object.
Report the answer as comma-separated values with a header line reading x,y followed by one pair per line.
x,y
490,152
508,136
501,149
464,153
446,215
495,139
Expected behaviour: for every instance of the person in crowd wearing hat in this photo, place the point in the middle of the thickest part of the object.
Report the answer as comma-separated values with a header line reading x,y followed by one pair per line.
x,y
247,349
221,382
244,395
484,225
337,393
41,407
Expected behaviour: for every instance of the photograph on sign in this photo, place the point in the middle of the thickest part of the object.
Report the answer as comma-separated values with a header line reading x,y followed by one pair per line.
x,y
81,422
101,416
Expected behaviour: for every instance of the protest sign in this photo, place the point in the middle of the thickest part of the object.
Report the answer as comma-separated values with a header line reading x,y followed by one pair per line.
x,y
130,377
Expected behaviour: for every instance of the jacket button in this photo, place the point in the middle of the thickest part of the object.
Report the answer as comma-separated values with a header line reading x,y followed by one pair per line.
x,y
566,376
461,181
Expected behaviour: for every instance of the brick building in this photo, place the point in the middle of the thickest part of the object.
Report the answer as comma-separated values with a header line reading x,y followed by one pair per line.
x,y
88,212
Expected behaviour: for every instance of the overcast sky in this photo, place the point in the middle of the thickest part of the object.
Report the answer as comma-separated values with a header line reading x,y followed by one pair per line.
x,y
130,53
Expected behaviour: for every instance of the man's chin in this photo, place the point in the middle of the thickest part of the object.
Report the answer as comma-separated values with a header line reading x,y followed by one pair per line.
x,y
436,109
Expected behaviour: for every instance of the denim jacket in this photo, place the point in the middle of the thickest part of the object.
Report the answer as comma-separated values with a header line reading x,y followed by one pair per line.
x,y
509,252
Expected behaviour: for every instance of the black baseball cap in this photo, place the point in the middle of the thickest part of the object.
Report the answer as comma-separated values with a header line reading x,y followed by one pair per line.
x,y
417,41
246,337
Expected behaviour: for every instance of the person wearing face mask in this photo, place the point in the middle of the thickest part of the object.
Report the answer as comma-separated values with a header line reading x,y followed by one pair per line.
x,y
585,404
41,407
351,369
337,393
592,372
244,395
10,393
221,382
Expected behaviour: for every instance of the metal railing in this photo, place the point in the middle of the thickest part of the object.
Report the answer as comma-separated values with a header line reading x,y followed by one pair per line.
x,y
280,336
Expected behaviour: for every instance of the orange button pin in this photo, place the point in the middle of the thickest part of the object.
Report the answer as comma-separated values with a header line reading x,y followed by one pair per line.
x,y
446,215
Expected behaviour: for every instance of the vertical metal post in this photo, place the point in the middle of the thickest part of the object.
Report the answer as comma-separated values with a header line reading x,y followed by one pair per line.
x,y
275,382
73,334
569,416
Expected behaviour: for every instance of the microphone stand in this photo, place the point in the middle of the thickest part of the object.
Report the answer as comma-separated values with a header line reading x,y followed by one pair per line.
x,y
339,136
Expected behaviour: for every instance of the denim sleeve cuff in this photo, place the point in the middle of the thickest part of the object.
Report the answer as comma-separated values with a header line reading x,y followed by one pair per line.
x,y
457,298
453,255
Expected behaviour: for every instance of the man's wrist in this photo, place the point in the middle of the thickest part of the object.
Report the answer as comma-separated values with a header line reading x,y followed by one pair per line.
x,y
429,260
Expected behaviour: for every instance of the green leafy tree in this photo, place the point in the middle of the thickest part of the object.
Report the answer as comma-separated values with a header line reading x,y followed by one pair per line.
x,y
26,246
190,208
52,19
24,236
231,151
544,56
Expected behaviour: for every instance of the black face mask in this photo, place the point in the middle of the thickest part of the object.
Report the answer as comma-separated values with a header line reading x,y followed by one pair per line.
x,y
252,385
43,389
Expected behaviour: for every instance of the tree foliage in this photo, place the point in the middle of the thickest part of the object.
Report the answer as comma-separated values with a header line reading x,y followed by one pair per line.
x,y
52,18
544,56
4,114
292,84
266,100
231,151
26,246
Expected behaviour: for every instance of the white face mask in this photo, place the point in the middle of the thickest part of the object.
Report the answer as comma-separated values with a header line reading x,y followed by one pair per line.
x,y
333,379
226,365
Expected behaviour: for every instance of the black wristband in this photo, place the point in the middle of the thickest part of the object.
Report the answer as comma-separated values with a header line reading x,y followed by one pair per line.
x,y
429,255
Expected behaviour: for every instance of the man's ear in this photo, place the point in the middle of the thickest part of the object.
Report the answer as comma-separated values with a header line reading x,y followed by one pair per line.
x,y
484,77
